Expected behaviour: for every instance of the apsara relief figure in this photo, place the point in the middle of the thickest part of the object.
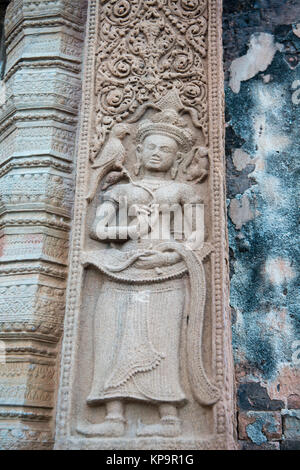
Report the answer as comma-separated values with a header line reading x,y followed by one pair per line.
x,y
153,280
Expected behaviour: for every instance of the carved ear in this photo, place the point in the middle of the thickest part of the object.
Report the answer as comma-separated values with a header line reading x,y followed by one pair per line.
x,y
179,158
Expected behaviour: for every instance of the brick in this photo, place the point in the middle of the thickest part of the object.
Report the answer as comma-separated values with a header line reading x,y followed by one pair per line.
x,y
260,426
246,445
291,424
294,401
252,396
289,444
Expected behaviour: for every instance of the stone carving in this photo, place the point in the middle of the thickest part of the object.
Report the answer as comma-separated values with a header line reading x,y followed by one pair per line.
x,y
144,363
196,167
37,140
31,311
144,49
111,158
148,293
35,187
25,437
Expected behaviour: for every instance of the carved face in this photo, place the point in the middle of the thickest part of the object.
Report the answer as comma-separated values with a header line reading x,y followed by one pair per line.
x,y
158,152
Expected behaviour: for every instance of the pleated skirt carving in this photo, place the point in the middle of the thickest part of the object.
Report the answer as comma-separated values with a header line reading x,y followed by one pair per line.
x,y
137,332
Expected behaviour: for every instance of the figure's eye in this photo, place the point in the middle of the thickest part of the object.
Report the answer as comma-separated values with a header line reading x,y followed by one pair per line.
x,y
151,146
165,149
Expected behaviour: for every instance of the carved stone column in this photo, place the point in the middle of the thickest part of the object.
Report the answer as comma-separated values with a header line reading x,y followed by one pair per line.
x,y
44,41
146,360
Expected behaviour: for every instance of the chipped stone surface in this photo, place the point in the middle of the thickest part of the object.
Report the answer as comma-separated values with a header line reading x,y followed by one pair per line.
x,y
240,211
240,159
242,18
279,270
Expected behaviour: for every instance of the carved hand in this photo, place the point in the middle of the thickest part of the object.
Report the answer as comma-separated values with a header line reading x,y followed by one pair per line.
x,y
157,259
146,216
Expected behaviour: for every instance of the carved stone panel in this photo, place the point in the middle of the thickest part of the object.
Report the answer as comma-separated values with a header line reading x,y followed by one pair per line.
x,y
146,361
40,96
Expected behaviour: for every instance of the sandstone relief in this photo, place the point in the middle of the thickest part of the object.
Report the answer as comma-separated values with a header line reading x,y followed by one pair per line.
x,y
146,331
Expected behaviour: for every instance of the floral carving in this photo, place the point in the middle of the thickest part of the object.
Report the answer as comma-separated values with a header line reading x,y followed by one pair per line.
x,y
189,9
120,12
144,49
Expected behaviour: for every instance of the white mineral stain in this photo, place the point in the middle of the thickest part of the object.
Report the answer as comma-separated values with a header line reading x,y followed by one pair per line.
x,y
279,270
271,190
267,78
262,49
267,125
269,97
241,159
240,211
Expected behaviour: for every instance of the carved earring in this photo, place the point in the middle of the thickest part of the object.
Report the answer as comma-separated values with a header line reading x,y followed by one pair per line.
x,y
174,170
136,168
137,165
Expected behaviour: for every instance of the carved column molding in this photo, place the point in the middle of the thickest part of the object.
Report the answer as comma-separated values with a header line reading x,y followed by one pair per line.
x,y
146,361
38,116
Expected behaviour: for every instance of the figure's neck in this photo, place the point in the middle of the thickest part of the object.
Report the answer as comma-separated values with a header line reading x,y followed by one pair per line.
x,y
154,183
156,175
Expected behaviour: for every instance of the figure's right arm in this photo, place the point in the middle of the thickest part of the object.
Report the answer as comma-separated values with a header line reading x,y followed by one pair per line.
x,y
104,225
106,228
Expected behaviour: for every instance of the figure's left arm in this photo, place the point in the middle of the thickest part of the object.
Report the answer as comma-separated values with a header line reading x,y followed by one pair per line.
x,y
193,210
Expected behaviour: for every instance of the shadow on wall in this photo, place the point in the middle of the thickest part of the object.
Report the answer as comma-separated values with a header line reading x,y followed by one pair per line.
x,y
3,6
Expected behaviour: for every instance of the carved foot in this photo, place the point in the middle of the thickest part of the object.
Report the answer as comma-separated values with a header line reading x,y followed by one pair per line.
x,y
167,427
109,428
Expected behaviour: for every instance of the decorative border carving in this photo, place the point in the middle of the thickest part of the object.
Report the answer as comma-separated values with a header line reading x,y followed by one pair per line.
x,y
75,272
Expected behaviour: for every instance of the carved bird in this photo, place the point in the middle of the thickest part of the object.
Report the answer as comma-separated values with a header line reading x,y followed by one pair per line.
x,y
111,158
196,168
114,177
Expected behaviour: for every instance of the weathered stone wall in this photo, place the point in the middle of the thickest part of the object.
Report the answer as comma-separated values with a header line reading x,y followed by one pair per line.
x,y
39,99
261,55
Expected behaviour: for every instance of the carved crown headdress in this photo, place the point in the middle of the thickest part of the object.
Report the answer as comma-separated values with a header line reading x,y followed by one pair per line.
x,y
168,122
